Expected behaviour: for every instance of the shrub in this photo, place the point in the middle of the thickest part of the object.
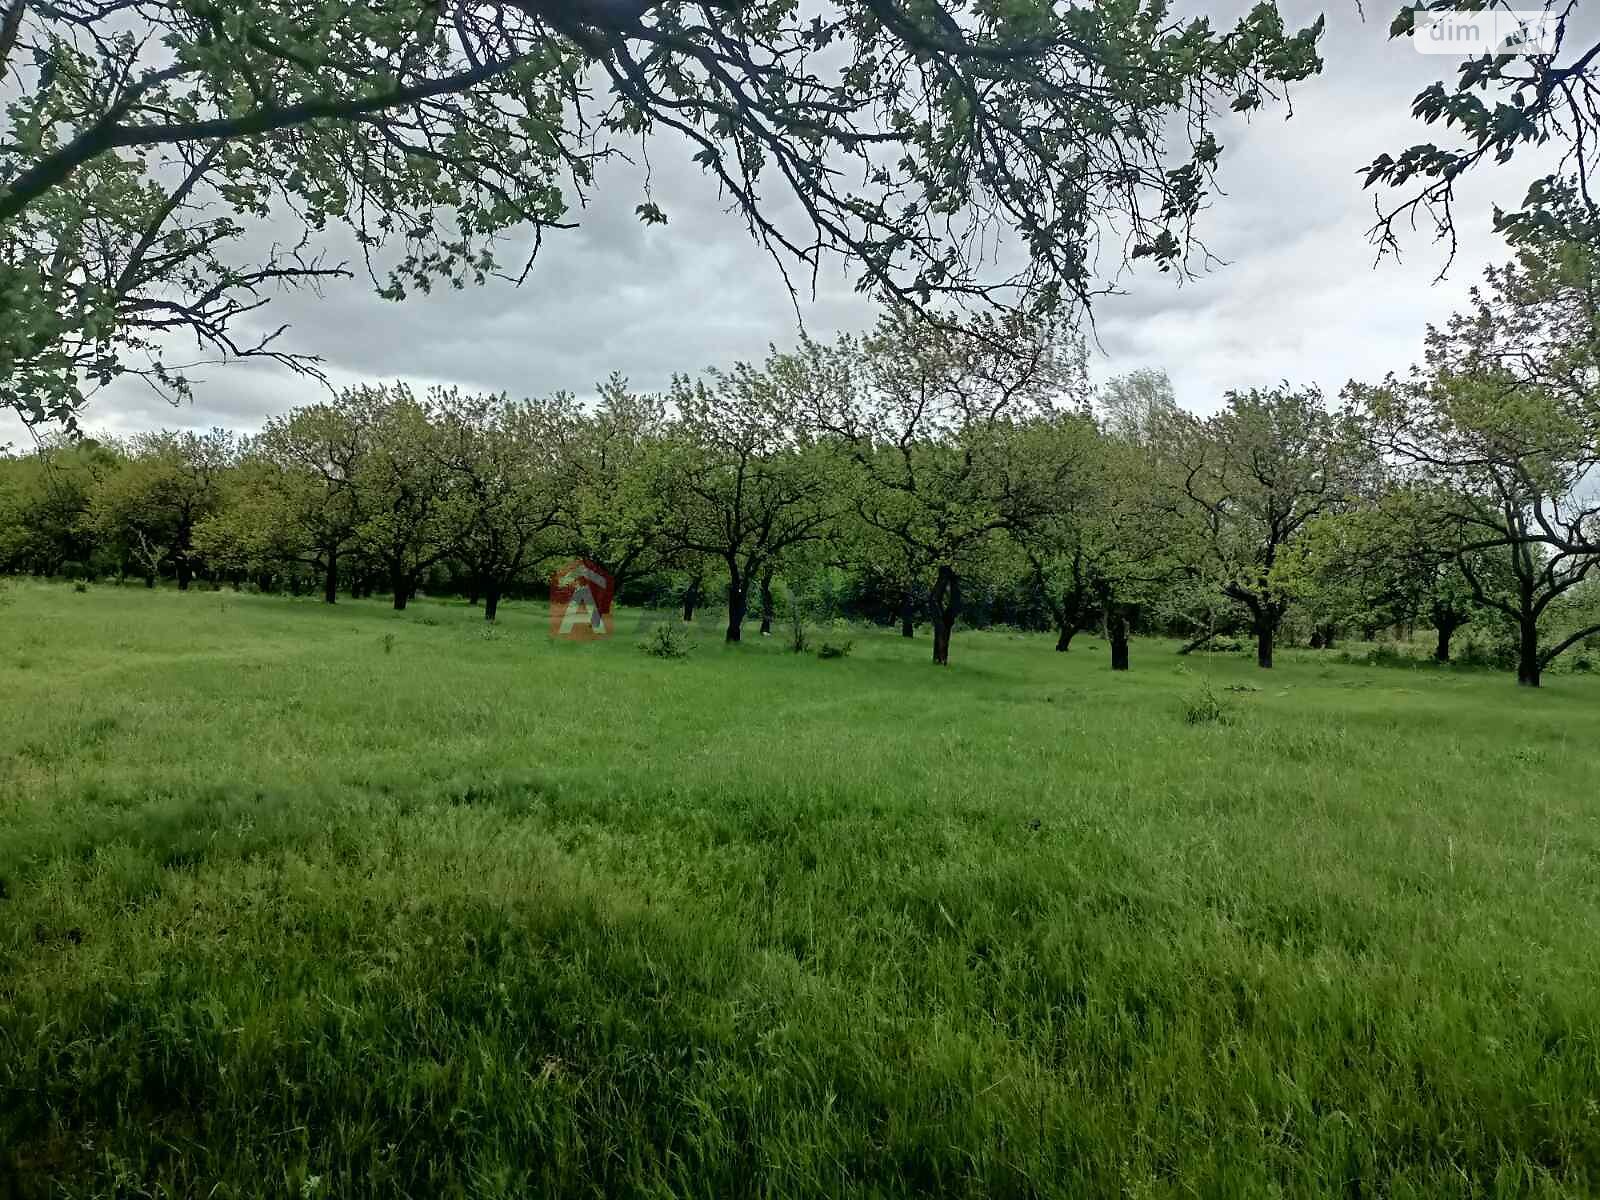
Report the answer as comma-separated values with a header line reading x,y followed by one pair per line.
x,y
1500,655
665,640
1387,655
799,637
1583,663
835,649
80,585
1204,707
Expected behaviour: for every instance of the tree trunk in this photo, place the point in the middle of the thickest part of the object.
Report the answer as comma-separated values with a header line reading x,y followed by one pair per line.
x,y
1326,636
185,574
1264,634
766,604
691,597
401,586
1074,605
474,586
330,578
1441,650
149,579
1117,635
908,614
738,594
1528,666
945,603
491,600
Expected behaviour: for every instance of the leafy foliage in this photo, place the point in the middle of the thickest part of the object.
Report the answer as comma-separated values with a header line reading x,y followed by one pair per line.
x,y
145,147
1497,107
665,639
1502,421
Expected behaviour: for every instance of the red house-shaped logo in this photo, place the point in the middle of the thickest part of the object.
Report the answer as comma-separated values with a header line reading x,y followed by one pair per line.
x,y
580,602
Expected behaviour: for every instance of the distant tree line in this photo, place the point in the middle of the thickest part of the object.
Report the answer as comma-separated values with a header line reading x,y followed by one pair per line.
x,y
926,474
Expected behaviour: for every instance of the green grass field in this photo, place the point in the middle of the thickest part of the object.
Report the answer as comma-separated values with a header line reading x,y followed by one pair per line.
x,y
326,902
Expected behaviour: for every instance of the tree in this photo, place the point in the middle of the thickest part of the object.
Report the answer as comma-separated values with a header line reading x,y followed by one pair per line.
x,y
1251,478
1049,507
170,483
1138,408
45,499
1389,562
1503,420
408,514
925,411
607,462
145,143
740,483
1486,444
1094,539
252,532
1133,524
497,453
316,450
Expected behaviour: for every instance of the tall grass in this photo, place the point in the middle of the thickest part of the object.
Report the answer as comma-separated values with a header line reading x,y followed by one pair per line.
x,y
310,901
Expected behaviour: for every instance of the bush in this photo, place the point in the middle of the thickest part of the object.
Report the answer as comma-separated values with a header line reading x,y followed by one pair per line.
x,y
1583,663
1502,656
835,649
1388,655
665,640
1385,655
799,637
80,585
1204,707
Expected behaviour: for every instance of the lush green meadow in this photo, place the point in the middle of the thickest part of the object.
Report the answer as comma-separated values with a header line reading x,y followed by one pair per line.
x,y
338,901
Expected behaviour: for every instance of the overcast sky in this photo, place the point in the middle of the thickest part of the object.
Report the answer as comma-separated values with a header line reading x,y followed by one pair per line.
x,y
1299,299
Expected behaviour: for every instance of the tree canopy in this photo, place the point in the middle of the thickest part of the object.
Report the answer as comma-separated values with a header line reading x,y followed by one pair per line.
x,y
152,154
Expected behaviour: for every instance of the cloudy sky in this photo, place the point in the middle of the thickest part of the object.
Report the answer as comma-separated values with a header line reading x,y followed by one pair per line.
x,y
1300,297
